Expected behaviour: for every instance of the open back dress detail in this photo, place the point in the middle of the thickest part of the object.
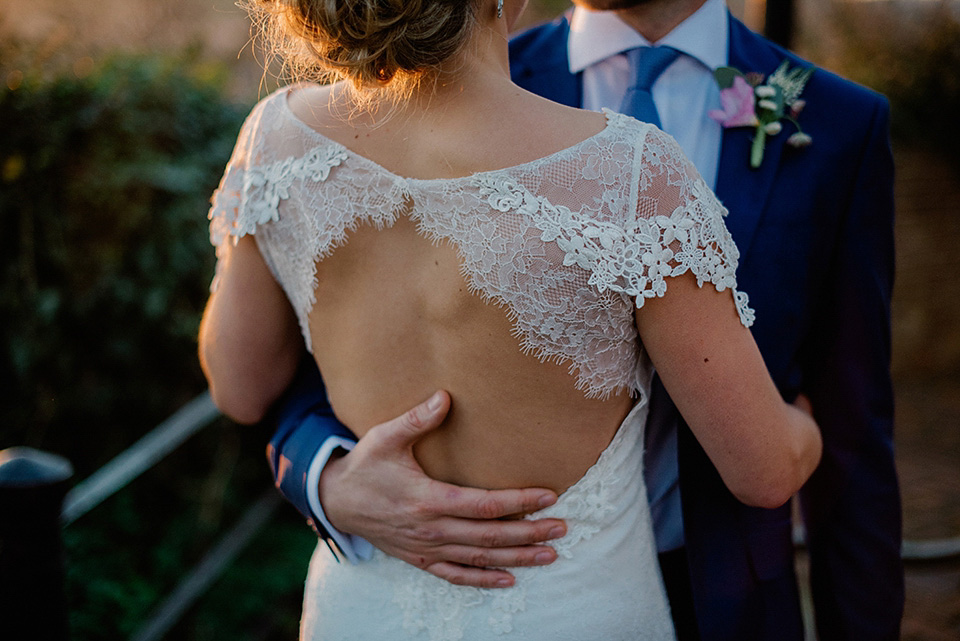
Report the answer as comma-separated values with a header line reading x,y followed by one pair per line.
x,y
567,245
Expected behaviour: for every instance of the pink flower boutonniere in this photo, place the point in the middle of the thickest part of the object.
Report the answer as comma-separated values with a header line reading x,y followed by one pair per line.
x,y
748,101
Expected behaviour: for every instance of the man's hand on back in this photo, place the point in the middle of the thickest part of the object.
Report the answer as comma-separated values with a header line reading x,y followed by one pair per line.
x,y
380,492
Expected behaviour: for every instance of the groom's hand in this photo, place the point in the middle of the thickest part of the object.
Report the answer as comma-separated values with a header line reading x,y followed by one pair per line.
x,y
380,492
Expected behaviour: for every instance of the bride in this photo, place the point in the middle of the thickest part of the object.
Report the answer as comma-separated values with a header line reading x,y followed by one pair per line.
x,y
423,224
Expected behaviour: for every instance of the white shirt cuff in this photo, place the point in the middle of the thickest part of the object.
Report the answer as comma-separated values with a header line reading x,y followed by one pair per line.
x,y
355,548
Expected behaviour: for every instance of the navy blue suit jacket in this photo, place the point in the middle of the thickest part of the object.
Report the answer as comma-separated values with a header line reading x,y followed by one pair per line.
x,y
815,230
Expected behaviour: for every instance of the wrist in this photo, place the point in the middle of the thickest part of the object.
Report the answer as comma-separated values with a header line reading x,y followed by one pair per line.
x,y
327,487
330,458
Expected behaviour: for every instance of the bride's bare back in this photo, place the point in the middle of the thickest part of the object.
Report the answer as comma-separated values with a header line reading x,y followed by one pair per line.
x,y
395,319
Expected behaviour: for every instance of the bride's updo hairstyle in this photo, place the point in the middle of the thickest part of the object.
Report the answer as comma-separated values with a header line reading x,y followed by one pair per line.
x,y
375,44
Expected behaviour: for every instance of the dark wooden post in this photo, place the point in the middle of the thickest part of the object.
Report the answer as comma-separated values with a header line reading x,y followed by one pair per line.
x,y
778,22
33,604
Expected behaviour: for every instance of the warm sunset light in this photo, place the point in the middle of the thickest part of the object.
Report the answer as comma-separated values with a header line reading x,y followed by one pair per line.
x,y
223,288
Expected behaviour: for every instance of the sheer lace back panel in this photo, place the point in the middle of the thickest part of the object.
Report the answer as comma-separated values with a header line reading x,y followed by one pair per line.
x,y
566,244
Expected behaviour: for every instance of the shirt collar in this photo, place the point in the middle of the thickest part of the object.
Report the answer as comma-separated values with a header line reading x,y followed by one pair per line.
x,y
598,35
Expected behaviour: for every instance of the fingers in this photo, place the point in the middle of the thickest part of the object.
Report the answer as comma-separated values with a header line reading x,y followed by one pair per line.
x,y
478,557
475,566
493,534
406,429
472,503
476,577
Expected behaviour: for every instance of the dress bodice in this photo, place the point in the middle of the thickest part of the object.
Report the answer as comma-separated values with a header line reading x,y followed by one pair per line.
x,y
566,244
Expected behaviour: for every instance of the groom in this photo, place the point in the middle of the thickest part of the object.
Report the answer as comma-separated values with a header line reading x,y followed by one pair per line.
x,y
814,226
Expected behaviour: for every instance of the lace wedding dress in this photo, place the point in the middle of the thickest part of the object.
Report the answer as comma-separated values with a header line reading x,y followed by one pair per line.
x,y
568,245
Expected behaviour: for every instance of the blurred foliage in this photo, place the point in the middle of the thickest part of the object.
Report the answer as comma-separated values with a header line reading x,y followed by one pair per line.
x,y
106,170
260,596
130,553
104,257
911,53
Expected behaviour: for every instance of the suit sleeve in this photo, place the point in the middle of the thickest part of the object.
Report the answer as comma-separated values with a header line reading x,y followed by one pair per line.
x,y
307,435
851,504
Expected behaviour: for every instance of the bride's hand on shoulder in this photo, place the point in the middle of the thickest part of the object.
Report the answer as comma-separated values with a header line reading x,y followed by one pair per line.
x,y
460,534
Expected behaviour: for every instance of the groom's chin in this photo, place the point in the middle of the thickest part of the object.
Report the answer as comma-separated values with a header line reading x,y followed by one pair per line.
x,y
611,5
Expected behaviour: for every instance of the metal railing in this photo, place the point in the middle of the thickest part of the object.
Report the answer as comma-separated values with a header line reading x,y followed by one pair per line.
x,y
35,505
911,551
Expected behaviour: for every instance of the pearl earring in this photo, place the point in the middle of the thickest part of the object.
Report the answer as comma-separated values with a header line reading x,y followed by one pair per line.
x,y
499,8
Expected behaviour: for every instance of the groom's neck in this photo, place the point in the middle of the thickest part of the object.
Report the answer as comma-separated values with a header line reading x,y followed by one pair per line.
x,y
653,19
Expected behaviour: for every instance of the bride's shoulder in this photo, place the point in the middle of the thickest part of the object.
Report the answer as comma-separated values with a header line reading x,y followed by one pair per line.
x,y
270,105
652,143
296,105
557,125
265,118
617,120
631,128
314,104
619,131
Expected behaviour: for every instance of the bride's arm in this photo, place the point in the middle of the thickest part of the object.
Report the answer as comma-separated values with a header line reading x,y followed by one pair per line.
x,y
763,448
250,344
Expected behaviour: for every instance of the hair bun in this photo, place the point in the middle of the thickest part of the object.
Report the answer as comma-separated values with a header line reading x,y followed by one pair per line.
x,y
370,42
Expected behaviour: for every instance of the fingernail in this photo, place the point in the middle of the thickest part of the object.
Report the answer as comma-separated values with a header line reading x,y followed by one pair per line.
x,y
543,558
435,402
504,583
546,500
556,532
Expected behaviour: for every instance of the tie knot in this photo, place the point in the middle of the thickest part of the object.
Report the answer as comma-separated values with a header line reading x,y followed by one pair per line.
x,y
647,63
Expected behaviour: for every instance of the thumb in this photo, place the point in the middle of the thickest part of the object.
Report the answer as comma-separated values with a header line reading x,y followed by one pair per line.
x,y
405,430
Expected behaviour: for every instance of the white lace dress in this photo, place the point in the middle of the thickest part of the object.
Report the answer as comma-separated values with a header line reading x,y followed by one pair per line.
x,y
568,245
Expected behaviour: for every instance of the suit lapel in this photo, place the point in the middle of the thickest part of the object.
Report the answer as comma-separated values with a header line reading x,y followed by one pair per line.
x,y
745,191
539,63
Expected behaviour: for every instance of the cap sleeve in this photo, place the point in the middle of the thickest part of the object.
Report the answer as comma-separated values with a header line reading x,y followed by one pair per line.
x,y
229,214
237,205
672,224
684,231
677,227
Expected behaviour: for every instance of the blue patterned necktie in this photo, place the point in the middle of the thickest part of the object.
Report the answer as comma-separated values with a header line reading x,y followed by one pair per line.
x,y
646,65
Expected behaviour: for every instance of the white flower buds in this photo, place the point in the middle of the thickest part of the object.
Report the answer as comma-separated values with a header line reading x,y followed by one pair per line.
x,y
799,140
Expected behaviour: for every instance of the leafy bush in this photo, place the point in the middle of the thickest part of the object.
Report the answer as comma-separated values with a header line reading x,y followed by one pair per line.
x,y
104,258
105,176
130,553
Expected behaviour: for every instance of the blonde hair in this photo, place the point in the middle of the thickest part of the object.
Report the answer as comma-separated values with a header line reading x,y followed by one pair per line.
x,y
388,45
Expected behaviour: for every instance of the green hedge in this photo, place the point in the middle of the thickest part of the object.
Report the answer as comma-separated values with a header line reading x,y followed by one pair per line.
x,y
105,180
104,258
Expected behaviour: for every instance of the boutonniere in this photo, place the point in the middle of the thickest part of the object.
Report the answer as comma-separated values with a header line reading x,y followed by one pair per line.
x,y
748,101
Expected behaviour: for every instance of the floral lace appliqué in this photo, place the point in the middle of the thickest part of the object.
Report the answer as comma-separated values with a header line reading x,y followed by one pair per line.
x,y
567,245
436,609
